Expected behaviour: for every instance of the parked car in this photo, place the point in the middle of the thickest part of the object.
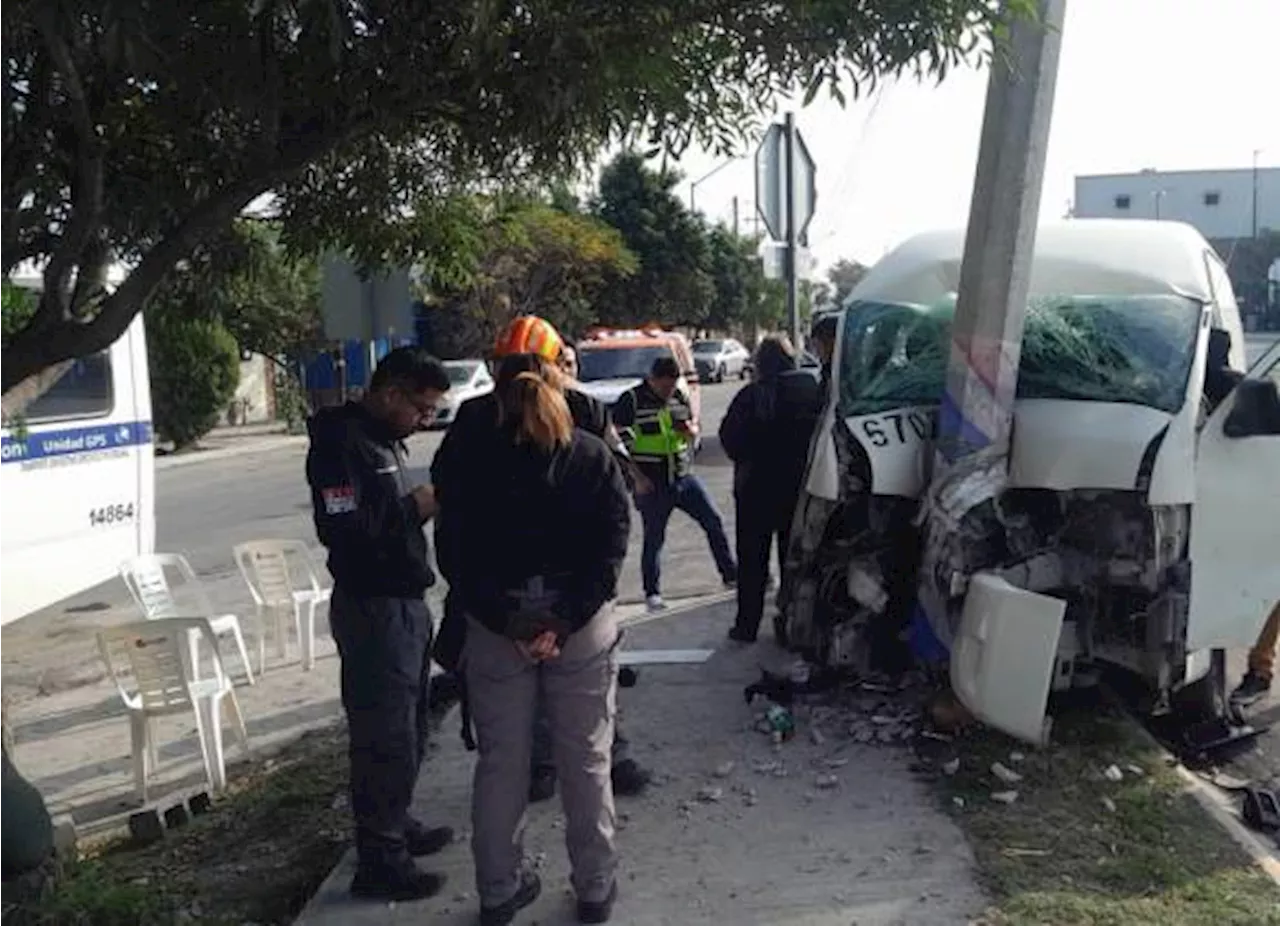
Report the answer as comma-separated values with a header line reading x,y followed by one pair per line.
x,y
468,379
1131,526
718,360
806,361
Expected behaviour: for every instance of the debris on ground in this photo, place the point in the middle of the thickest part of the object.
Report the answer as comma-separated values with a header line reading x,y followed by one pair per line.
x,y
1004,797
1005,774
1113,773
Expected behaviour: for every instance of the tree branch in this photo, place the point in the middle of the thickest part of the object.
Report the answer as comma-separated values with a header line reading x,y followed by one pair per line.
x,y
39,345
87,192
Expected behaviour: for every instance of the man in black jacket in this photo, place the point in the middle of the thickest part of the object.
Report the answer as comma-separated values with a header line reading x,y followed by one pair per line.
x,y
629,777
766,432
371,521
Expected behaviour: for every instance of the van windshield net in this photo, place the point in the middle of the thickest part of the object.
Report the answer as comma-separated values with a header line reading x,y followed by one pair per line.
x,y
1132,349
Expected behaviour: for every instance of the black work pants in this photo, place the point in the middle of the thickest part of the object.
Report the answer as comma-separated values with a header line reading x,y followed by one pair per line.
x,y
385,646
762,517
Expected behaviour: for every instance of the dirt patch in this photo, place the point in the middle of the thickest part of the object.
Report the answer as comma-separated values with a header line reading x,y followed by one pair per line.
x,y
256,857
1097,829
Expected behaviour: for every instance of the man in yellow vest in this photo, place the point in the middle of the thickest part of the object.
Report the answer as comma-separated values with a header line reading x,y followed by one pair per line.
x,y
655,420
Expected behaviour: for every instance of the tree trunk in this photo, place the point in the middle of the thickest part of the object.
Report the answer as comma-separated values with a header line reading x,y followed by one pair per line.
x,y
26,831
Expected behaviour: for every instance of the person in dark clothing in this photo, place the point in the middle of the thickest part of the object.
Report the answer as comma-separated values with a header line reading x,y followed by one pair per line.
x,y
656,422
766,432
535,530
823,338
630,778
371,520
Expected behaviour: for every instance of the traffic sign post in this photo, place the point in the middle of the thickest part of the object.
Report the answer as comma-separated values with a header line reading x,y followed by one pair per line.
x,y
786,199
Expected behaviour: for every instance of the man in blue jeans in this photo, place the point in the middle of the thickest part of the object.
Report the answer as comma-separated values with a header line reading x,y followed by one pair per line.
x,y
655,420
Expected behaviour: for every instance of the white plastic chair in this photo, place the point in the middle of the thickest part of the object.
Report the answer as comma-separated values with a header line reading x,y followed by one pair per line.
x,y
148,583
157,654
266,569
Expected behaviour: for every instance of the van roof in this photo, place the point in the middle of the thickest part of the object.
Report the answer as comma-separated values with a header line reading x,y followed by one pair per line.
x,y
1121,257
614,338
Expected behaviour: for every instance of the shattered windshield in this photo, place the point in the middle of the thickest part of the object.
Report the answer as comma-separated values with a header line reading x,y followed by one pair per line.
x,y
1134,349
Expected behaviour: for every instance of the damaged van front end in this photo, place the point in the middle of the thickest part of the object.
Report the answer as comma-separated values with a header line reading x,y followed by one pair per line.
x,y
1125,526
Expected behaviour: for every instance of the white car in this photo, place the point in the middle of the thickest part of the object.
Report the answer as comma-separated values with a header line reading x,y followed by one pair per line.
x,y
1136,523
718,360
468,379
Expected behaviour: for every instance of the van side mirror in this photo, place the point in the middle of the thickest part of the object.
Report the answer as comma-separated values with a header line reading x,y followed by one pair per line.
x,y
1256,412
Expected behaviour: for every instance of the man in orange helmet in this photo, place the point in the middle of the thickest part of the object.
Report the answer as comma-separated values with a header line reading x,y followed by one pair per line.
x,y
527,335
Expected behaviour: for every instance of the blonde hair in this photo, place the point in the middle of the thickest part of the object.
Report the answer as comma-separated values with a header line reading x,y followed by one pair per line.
x,y
539,410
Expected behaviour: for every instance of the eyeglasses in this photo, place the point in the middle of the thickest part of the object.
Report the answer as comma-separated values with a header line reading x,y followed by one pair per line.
x,y
426,410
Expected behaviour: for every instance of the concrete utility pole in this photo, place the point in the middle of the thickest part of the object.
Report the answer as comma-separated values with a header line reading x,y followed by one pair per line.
x,y
986,338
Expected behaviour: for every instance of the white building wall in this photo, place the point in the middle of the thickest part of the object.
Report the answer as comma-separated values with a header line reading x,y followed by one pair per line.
x,y
1219,203
254,402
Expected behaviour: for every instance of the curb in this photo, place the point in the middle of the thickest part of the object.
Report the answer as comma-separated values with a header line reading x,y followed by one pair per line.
x,y
262,445
1216,805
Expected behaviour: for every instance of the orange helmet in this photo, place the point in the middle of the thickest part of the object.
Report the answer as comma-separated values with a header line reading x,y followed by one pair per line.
x,y
529,334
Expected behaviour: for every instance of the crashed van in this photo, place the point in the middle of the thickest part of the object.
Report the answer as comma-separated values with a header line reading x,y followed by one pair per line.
x,y
1136,522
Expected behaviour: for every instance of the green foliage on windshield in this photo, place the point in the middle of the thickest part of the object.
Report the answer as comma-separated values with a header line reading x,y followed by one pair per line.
x,y
1131,349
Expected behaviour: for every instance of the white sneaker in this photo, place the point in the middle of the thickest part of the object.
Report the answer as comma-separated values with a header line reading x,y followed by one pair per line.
x,y
655,603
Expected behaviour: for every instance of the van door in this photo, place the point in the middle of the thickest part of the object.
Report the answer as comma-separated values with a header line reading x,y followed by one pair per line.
x,y
1234,579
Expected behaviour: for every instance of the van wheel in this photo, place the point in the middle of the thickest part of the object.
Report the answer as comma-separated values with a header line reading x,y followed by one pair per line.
x,y
720,373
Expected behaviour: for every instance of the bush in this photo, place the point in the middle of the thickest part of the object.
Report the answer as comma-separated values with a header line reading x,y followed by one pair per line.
x,y
195,368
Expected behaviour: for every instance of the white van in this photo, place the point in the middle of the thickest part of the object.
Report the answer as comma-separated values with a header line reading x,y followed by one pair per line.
x,y
1130,528
77,482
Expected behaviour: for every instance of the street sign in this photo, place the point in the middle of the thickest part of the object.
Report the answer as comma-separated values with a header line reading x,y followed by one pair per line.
x,y
356,309
771,184
773,258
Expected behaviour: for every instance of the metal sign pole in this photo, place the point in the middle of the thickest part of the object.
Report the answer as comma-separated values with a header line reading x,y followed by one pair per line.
x,y
793,293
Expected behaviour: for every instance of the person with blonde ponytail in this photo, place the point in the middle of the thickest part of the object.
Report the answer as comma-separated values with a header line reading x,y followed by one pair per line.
x,y
535,530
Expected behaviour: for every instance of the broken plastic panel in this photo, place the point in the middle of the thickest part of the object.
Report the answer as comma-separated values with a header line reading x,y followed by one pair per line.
x,y
1003,658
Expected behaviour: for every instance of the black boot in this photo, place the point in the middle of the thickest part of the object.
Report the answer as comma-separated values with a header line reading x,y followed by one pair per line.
x,y
399,881
542,785
421,840
630,778
527,893
598,911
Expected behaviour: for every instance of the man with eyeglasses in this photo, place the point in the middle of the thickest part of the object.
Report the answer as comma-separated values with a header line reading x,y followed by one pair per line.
x,y
371,520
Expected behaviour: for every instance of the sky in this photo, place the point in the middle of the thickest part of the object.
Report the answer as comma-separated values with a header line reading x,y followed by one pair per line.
x,y
1165,84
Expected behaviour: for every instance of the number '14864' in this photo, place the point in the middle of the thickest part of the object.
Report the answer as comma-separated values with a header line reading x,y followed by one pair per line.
x,y
110,514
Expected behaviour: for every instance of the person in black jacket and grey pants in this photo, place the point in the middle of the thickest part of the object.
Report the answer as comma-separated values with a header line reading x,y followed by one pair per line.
x,y
766,432
536,528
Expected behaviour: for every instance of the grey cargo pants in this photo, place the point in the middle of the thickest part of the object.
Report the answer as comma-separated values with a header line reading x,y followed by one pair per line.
x,y
579,693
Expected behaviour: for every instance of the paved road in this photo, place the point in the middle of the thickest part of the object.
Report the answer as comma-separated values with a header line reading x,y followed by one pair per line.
x,y
1255,345
204,511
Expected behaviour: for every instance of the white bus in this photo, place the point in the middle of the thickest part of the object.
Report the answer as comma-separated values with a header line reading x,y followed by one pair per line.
x,y
77,481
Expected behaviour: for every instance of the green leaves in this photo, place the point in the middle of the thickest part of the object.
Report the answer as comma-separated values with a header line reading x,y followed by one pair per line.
x,y
353,115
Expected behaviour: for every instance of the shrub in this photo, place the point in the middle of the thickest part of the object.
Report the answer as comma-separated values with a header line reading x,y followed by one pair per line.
x,y
195,368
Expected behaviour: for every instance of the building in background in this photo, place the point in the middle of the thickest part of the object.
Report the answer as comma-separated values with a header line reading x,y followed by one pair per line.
x,y
1238,210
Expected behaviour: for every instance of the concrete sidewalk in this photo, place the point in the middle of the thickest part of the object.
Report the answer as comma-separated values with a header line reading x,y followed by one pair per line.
x,y
221,443
735,831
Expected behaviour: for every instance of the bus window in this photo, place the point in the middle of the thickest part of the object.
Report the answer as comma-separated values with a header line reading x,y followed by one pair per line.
x,y
83,391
